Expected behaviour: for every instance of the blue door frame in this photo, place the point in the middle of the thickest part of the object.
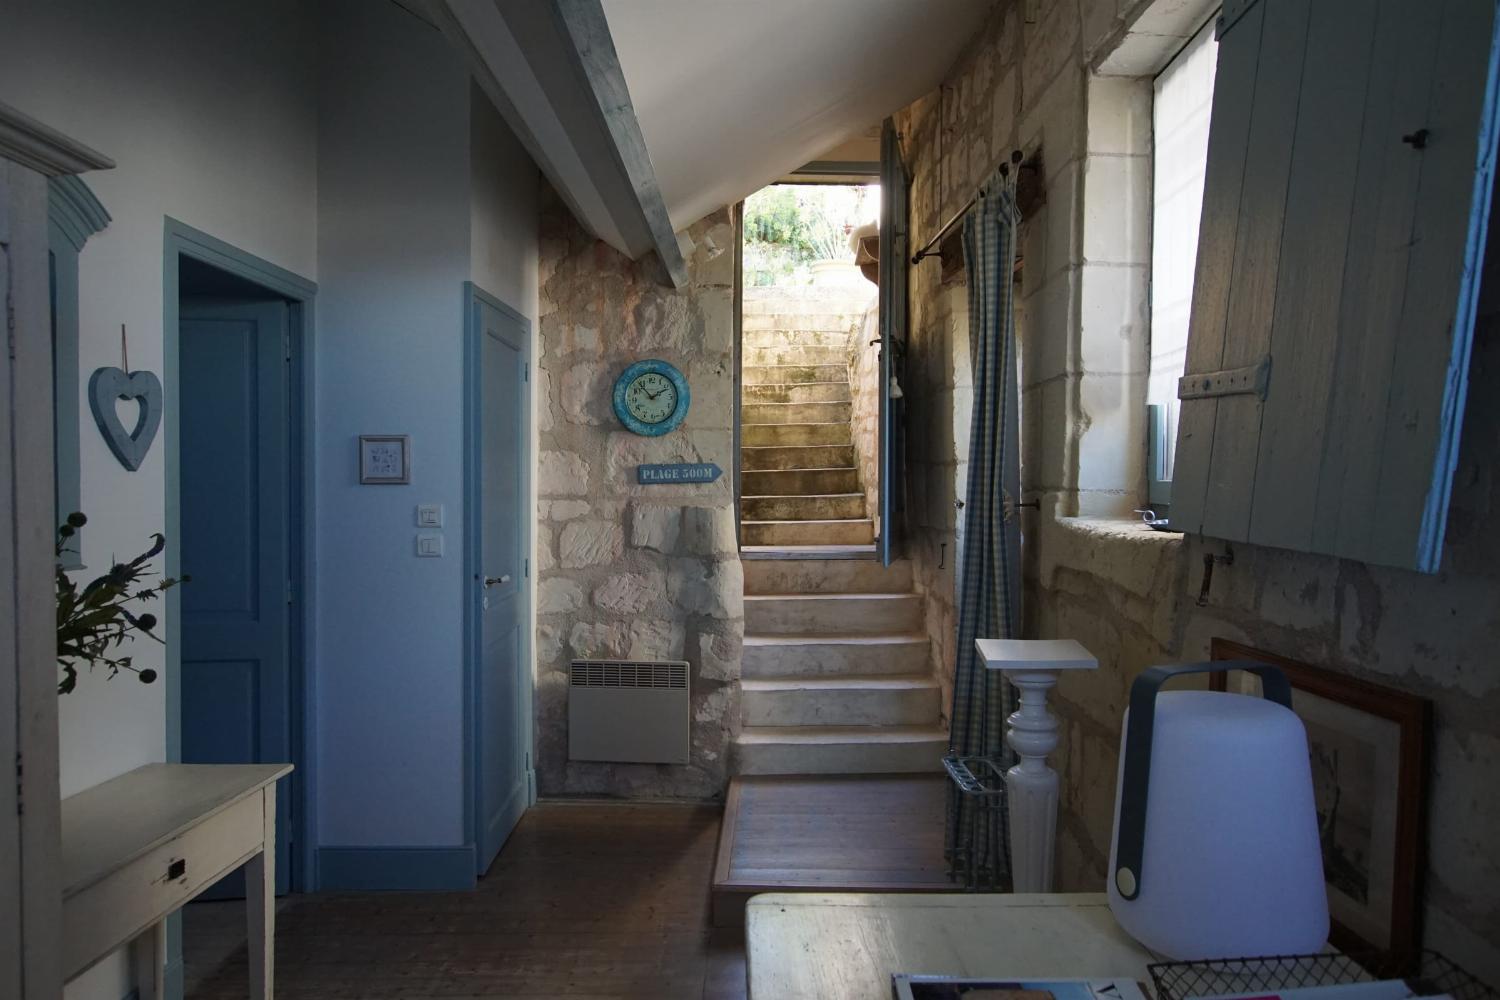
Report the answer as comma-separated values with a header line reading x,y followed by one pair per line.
x,y
181,240
473,569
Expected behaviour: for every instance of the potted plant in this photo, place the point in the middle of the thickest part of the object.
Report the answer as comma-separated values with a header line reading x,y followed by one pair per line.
x,y
94,622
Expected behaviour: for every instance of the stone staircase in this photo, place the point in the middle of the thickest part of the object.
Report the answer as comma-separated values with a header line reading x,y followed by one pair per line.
x,y
835,674
799,477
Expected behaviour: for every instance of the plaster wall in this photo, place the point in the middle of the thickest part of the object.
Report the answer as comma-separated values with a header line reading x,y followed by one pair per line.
x,y
155,87
1029,81
626,570
393,250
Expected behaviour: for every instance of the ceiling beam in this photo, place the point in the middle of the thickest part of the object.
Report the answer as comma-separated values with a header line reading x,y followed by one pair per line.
x,y
551,70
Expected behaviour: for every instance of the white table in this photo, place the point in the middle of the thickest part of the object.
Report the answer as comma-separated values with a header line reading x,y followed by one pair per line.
x,y
813,946
137,848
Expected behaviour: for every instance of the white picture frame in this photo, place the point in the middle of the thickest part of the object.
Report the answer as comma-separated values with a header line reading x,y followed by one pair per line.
x,y
384,459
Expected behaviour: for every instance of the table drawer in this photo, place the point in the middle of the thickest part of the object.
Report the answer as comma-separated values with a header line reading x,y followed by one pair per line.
x,y
100,917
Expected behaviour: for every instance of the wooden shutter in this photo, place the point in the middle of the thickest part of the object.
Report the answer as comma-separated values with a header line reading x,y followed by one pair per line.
x,y
1344,214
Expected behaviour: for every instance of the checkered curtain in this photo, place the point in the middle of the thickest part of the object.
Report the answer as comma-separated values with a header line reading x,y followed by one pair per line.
x,y
988,585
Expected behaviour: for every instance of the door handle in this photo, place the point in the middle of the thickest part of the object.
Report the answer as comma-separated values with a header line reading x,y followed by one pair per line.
x,y
490,581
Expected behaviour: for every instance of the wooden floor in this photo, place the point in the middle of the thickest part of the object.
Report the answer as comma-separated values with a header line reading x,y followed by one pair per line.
x,y
829,833
588,900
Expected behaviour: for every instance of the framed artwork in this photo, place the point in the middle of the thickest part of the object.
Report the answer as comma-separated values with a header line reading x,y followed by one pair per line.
x,y
1368,745
384,459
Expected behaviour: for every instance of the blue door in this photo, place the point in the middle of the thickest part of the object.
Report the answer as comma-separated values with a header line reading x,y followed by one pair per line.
x,y
893,269
234,399
502,786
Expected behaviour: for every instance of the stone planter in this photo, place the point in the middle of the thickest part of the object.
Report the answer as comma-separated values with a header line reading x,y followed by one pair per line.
x,y
836,274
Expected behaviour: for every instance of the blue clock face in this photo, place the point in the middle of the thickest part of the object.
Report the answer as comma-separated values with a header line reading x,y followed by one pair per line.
x,y
651,397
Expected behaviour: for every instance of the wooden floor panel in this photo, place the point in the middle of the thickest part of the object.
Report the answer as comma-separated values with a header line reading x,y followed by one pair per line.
x,y
588,900
827,833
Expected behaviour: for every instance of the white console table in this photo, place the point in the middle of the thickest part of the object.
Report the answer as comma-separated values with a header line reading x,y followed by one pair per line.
x,y
846,946
137,848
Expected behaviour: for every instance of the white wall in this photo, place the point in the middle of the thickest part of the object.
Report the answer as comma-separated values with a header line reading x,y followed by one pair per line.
x,y
336,142
504,208
218,135
393,250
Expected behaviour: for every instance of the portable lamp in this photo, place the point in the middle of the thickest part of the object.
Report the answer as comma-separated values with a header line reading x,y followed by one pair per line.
x,y
1215,851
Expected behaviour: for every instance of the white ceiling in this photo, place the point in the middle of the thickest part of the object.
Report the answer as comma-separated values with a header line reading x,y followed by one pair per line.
x,y
732,94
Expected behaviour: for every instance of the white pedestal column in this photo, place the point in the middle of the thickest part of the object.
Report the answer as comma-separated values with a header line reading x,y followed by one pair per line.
x,y
1033,666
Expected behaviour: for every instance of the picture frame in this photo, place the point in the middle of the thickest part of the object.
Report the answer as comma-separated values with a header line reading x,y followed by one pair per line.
x,y
1369,747
384,459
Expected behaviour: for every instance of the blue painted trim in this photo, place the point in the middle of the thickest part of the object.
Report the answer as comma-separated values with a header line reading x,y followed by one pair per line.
x,y
474,546
396,869
74,209
648,367
181,240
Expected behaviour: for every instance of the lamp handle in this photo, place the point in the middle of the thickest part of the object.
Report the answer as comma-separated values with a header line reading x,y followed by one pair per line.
x,y
1130,842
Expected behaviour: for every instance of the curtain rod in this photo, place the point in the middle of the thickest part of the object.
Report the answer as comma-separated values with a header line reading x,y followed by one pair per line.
x,y
927,248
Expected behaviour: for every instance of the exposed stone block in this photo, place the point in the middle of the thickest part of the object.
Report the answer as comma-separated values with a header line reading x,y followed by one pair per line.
x,y
655,526
563,473
558,595
630,593
590,543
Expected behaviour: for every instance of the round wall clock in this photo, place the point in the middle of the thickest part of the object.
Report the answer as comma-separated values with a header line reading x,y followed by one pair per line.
x,y
651,397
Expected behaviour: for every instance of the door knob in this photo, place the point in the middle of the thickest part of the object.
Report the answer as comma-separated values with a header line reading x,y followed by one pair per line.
x,y
490,581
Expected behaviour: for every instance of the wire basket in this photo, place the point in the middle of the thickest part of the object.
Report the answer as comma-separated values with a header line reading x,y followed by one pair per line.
x,y
979,854
1181,980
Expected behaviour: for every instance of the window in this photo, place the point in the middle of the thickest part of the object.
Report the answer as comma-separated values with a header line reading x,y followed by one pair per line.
x,y
1182,100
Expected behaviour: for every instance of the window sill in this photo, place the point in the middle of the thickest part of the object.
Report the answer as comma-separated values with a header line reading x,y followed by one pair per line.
x,y
1122,552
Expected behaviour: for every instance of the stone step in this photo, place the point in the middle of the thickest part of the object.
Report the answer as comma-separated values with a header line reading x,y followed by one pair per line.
x,y
798,482
787,435
796,392
840,749
819,576
796,354
799,321
867,551
782,374
809,507
787,338
832,614
832,655
858,531
816,456
795,413
900,700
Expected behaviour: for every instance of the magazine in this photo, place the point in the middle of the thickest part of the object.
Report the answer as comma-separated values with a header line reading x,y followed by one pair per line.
x,y
914,987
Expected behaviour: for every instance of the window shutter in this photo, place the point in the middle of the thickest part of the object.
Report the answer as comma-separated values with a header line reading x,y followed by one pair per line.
x,y
1344,213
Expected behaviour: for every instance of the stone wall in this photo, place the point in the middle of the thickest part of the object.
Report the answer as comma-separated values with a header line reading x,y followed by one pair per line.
x,y
1127,593
625,570
864,406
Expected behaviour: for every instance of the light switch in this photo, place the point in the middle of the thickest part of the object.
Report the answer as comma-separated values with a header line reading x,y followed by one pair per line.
x,y
430,546
429,515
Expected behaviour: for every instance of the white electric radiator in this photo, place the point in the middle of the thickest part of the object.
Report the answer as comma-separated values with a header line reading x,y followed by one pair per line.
x,y
628,711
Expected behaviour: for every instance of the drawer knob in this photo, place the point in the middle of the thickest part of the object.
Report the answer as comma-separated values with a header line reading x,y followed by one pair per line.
x,y
176,869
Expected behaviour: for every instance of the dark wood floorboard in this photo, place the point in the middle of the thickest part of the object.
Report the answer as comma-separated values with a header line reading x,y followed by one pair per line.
x,y
864,831
587,901
829,833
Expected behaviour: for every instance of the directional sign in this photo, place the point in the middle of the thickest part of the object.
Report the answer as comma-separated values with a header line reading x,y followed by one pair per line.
x,y
677,472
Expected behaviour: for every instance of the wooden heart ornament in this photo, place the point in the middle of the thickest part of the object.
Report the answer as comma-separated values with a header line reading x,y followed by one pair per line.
x,y
109,384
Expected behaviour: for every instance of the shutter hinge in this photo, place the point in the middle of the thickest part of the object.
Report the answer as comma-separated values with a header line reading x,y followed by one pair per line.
x,y
286,344
526,567
526,371
20,785
289,592
10,325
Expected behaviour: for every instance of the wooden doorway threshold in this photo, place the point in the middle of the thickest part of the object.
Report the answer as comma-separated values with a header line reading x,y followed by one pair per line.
x,y
829,833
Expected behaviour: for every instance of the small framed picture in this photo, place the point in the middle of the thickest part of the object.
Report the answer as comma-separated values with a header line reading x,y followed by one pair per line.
x,y
384,459
1368,749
